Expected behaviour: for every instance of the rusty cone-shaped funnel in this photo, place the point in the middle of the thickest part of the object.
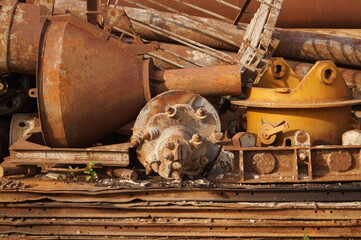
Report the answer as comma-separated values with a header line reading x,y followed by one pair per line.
x,y
88,84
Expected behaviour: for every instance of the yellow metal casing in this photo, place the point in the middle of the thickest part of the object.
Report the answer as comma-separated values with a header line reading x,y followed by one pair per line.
x,y
320,104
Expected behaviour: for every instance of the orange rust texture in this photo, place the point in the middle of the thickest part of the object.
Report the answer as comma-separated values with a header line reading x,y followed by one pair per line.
x,y
211,81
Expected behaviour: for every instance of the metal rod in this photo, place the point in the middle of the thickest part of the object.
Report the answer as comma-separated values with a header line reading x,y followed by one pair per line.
x,y
204,10
165,60
212,33
241,12
181,57
188,42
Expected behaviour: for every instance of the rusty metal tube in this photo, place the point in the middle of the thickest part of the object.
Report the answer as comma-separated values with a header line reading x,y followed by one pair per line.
x,y
294,14
210,81
315,46
16,170
293,44
351,76
20,29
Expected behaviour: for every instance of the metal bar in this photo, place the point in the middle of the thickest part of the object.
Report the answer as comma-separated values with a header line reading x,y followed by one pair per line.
x,y
165,60
204,10
188,42
181,57
241,12
212,33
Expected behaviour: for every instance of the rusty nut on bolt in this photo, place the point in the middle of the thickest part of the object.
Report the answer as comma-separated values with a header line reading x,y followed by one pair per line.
x,y
201,113
171,111
196,140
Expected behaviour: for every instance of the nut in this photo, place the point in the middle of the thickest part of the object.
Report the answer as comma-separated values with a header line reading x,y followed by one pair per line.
x,y
201,113
176,165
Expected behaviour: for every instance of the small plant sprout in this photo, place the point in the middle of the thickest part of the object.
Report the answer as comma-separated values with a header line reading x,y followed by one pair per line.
x,y
91,173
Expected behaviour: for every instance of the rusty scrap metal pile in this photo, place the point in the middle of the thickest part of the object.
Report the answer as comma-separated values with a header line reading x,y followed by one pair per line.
x,y
179,118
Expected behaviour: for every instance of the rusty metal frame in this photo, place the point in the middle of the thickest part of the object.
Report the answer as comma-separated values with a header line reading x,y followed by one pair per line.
x,y
28,151
289,165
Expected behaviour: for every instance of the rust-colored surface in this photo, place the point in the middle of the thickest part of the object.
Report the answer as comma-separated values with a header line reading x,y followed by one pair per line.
x,y
86,87
176,134
315,46
225,80
293,44
20,34
351,76
72,210
288,164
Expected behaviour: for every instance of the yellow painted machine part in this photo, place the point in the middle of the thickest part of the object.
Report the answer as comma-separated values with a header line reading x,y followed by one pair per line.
x,y
325,125
320,104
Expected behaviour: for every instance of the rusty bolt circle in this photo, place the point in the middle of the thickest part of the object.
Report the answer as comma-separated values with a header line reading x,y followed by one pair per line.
x,y
263,163
340,161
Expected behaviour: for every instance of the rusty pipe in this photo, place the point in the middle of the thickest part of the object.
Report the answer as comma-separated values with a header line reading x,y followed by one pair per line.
x,y
351,76
293,44
209,81
16,170
20,29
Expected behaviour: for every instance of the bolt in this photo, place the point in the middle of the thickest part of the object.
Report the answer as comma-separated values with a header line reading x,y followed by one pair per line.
x,y
133,143
302,156
171,111
201,113
218,136
176,165
176,175
155,166
196,138
203,160
169,157
146,135
170,145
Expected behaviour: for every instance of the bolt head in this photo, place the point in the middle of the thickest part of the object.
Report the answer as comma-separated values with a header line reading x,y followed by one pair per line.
x,y
176,165
201,113
219,136
171,111
197,138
